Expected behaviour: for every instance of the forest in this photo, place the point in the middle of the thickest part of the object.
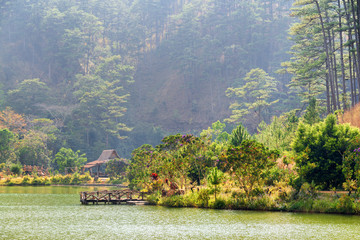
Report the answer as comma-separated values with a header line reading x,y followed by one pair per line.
x,y
191,81
119,74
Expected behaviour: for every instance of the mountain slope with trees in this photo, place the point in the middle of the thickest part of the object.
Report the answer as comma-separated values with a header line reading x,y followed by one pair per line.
x,y
99,69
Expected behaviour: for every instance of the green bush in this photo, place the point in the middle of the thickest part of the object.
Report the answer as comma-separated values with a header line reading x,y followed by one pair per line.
x,y
203,197
75,179
66,179
9,182
321,148
154,198
2,166
238,203
308,191
346,204
262,203
190,200
325,205
25,181
46,181
16,169
57,179
219,204
37,181
174,201
85,178
301,205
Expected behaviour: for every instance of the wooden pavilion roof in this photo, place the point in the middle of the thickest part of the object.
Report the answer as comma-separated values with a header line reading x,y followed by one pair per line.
x,y
105,156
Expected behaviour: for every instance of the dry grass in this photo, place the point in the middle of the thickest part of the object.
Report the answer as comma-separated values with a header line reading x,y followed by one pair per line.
x,y
351,116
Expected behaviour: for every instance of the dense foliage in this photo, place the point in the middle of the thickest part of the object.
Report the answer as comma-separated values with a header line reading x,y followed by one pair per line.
x,y
99,69
248,163
68,159
78,77
322,148
326,53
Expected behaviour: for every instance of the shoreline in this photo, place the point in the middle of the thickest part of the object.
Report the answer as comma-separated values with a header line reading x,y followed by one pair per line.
x,y
327,203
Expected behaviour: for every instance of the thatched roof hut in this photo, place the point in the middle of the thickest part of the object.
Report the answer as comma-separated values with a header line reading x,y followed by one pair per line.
x,y
97,167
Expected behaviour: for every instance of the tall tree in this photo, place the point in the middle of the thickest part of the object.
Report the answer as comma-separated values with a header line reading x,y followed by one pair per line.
x,y
28,97
252,98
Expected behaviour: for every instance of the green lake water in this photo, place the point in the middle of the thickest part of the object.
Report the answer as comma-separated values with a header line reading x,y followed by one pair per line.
x,y
56,213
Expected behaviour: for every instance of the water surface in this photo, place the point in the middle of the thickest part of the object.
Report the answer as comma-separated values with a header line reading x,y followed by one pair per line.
x,y
56,213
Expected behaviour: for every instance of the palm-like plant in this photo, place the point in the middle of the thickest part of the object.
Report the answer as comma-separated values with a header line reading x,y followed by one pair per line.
x,y
215,178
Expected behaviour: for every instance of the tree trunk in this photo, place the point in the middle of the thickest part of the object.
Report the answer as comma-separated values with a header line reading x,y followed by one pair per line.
x,y
352,83
342,60
329,75
335,71
351,49
357,40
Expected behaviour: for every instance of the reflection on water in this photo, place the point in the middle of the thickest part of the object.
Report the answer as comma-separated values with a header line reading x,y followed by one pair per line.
x,y
56,213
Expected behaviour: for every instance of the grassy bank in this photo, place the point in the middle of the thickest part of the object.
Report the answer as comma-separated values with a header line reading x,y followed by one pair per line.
x,y
30,180
321,203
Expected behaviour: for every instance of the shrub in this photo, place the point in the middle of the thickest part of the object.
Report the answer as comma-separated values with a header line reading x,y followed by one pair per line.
x,y
346,204
75,179
66,179
2,166
219,204
57,179
281,191
117,180
154,198
25,180
308,191
302,205
16,169
190,200
174,201
37,181
262,203
85,178
9,182
238,203
322,147
203,197
46,181
115,167
324,205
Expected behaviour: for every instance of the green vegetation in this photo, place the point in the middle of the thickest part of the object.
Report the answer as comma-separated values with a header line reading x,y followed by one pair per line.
x,y
79,77
321,156
66,158
121,74
321,148
17,179
253,96
215,178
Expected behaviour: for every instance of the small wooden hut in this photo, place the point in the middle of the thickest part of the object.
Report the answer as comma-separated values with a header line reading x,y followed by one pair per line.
x,y
39,170
97,167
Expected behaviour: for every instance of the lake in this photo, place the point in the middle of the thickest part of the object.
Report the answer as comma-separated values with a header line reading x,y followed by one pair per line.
x,y
56,213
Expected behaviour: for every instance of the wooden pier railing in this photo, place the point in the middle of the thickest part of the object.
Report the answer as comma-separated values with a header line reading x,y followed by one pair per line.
x,y
113,197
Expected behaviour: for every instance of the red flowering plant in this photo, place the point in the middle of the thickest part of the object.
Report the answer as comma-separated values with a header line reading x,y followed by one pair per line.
x,y
180,158
157,183
154,176
141,166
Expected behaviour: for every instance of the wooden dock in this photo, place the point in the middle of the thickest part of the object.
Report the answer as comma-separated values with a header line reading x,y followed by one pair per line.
x,y
113,197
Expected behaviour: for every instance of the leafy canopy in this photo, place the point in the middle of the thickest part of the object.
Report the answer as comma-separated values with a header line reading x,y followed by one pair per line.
x,y
66,157
252,98
322,147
